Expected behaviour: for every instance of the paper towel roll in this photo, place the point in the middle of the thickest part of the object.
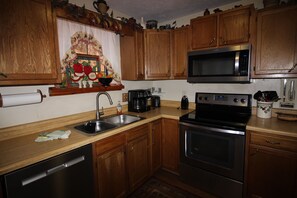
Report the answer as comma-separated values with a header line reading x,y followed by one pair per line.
x,y
20,99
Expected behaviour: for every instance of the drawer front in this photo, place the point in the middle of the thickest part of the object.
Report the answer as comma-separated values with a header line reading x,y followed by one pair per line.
x,y
137,132
109,143
284,143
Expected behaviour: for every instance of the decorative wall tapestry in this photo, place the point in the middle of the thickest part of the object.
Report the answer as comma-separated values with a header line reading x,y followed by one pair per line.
x,y
90,56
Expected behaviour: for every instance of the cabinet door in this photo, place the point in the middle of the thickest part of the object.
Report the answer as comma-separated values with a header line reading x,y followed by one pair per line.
x,y
112,173
179,55
157,54
132,61
277,42
128,58
140,54
137,161
234,27
28,48
272,173
170,145
156,156
204,32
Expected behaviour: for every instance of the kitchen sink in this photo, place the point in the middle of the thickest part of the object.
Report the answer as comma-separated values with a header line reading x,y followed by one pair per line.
x,y
104,124
122,119
95,126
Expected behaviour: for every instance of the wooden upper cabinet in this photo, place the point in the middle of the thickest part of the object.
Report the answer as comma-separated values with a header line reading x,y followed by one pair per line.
x,y
28,48
180,47
132,57
234,27
276,43
157,54
204,32
225,28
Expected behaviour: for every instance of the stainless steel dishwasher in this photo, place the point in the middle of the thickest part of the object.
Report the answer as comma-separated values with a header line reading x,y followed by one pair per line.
x,y
68,175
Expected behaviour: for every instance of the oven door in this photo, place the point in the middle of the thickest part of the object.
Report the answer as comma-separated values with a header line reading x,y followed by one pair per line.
x,y
220,151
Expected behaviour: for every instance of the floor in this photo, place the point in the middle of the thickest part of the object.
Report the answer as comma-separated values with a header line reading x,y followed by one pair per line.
x,y
166,185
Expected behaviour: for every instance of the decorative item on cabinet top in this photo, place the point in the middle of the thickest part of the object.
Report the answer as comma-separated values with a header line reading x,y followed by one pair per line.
x,y
11,100
102,20
84,66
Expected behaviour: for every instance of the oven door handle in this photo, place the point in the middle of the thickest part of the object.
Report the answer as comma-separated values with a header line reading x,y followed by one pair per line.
x,y
218,130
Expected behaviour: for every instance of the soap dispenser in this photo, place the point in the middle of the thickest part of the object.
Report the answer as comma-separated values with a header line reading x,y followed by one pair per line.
x,y
119,108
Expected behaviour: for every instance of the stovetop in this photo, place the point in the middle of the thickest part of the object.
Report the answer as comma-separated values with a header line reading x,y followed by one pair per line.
x,y
216,120
231,111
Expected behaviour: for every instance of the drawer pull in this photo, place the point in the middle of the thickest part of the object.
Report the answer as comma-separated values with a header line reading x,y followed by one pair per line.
x,y
272,142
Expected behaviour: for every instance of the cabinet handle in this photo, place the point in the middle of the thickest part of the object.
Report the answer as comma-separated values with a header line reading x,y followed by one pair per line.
x,y
290,70
272,142
2,74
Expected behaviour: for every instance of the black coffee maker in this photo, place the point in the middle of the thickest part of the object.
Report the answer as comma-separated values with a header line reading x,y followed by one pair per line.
x,y
138,100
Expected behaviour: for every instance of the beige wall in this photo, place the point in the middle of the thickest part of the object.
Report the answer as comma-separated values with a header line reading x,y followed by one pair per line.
x,y
58,106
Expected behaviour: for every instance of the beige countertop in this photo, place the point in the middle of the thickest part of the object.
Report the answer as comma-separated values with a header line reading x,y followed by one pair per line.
x,y
273,126
22,151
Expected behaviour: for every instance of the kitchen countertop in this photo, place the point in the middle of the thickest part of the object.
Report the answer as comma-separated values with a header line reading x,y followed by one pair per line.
x,y
22,151
273,126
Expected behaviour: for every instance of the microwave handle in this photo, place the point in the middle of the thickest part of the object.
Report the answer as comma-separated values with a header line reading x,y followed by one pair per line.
x,y
236,63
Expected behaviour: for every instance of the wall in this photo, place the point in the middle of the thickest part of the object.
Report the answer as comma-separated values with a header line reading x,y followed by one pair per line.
x,y
58,106
174,90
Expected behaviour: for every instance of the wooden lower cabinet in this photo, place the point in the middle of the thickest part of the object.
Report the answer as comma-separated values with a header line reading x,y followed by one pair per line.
x,y
125,161
112,173
110,167
155,136
272,167
137,156
170,145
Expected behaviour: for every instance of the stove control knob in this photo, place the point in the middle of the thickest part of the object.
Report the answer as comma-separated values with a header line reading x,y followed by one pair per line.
x,y
200,98
235,100
243,101
205,98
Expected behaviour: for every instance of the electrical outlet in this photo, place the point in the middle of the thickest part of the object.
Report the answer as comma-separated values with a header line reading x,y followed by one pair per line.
x,y
124,97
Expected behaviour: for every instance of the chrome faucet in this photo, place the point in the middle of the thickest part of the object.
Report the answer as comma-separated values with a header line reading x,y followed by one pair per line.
x,y
98,113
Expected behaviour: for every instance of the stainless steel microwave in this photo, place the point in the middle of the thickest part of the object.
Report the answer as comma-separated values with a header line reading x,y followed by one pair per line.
x,y
220,65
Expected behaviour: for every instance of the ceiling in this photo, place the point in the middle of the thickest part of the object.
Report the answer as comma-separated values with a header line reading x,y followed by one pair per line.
x,y
163,10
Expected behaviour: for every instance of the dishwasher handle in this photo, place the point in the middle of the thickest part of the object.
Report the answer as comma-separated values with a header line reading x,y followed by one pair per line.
x,y
52,170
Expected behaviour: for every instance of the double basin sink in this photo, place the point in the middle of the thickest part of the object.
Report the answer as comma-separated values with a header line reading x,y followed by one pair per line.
x,y
94,127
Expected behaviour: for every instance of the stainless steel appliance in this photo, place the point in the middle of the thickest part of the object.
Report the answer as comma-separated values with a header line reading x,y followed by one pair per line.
x,y
139,100
65,176
221,65
212,143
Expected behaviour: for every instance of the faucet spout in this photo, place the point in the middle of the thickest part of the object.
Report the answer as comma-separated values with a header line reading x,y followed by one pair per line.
x,y
98,113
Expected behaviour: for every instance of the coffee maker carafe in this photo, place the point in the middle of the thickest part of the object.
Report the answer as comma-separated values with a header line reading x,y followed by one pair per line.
x,y
138,100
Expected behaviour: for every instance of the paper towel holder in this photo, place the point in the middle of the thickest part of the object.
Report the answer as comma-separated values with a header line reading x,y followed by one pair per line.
x,y
39,92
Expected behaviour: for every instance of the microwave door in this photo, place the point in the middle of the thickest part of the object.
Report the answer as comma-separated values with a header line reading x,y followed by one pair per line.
x,y
236,64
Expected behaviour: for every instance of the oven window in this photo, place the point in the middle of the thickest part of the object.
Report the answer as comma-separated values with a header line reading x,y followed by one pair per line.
x,y
211,148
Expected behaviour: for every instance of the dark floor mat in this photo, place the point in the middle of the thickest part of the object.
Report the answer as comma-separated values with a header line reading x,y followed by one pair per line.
x,y
154,188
